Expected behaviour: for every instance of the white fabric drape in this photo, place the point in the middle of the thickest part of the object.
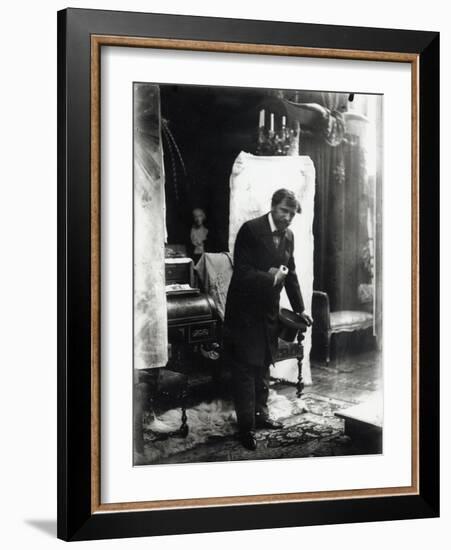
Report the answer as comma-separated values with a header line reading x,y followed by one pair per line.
x,y
150,311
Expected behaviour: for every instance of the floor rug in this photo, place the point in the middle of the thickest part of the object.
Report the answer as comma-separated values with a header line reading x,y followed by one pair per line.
x,y
207,422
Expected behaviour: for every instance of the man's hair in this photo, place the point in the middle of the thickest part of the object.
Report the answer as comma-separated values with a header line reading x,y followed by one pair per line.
x,y
287,196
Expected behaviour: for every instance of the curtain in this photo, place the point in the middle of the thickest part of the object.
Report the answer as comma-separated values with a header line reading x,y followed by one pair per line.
x,y
343,204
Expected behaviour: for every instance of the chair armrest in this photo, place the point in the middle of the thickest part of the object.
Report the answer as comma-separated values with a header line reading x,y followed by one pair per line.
x,y
320,311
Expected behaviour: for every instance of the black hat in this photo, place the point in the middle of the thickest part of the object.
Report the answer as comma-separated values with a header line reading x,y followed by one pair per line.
x,y
290,323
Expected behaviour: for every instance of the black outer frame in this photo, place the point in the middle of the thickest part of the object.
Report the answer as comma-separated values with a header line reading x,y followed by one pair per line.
x,y
75,520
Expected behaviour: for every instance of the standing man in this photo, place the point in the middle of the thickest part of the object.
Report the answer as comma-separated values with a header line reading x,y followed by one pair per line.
x,y
262,246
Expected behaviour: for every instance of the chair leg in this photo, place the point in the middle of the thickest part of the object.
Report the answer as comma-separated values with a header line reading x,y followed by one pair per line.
x,y
184,428
140,396
300,358
328,338
143,392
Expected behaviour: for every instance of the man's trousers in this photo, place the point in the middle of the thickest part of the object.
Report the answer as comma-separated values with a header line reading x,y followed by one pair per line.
x,y
250,392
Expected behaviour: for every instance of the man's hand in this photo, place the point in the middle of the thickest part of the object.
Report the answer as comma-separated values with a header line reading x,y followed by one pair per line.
x,y
306,317
279,275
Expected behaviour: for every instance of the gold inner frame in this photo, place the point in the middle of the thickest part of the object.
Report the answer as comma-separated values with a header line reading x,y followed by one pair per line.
x,y
97,41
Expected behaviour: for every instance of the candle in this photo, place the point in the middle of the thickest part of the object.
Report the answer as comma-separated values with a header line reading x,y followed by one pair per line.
x,y
284,121
261,121
271,128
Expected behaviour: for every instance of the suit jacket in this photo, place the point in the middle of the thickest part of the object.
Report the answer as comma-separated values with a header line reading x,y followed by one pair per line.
x,y
252,307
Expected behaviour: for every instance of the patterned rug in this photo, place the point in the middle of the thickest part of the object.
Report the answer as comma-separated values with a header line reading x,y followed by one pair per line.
x,y
213,428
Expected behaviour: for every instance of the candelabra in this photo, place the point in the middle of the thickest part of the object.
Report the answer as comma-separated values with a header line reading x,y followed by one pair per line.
x,y
276,143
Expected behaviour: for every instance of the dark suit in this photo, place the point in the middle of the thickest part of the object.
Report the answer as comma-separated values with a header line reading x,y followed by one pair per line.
x,y
251,314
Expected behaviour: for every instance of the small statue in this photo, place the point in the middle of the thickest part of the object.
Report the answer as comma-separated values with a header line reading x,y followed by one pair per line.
x,y
199,233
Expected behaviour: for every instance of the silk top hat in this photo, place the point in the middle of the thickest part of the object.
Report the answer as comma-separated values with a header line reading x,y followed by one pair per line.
x,y
289,325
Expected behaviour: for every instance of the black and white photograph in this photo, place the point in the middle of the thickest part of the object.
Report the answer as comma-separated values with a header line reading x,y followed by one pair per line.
x,y
257,242
226,247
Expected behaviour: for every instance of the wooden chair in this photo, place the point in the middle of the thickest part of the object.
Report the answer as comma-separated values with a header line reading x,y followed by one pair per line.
x,y
326,322
166,384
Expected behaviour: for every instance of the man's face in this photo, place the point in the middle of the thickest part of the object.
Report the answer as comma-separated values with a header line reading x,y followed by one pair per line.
x,y
283,213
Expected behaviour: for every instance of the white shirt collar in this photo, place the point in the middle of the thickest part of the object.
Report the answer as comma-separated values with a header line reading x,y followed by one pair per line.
x,y
271,223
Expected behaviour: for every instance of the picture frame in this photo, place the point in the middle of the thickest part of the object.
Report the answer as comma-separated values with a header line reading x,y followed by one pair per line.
x,y
81,35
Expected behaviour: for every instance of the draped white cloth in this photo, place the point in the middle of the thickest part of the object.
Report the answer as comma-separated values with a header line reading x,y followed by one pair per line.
x,y
253,181
150,311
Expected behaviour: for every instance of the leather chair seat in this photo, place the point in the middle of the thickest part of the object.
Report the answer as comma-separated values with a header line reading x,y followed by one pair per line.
x,y
171,382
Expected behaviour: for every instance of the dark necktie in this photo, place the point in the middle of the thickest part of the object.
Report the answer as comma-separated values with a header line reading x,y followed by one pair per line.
x,y
277,237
